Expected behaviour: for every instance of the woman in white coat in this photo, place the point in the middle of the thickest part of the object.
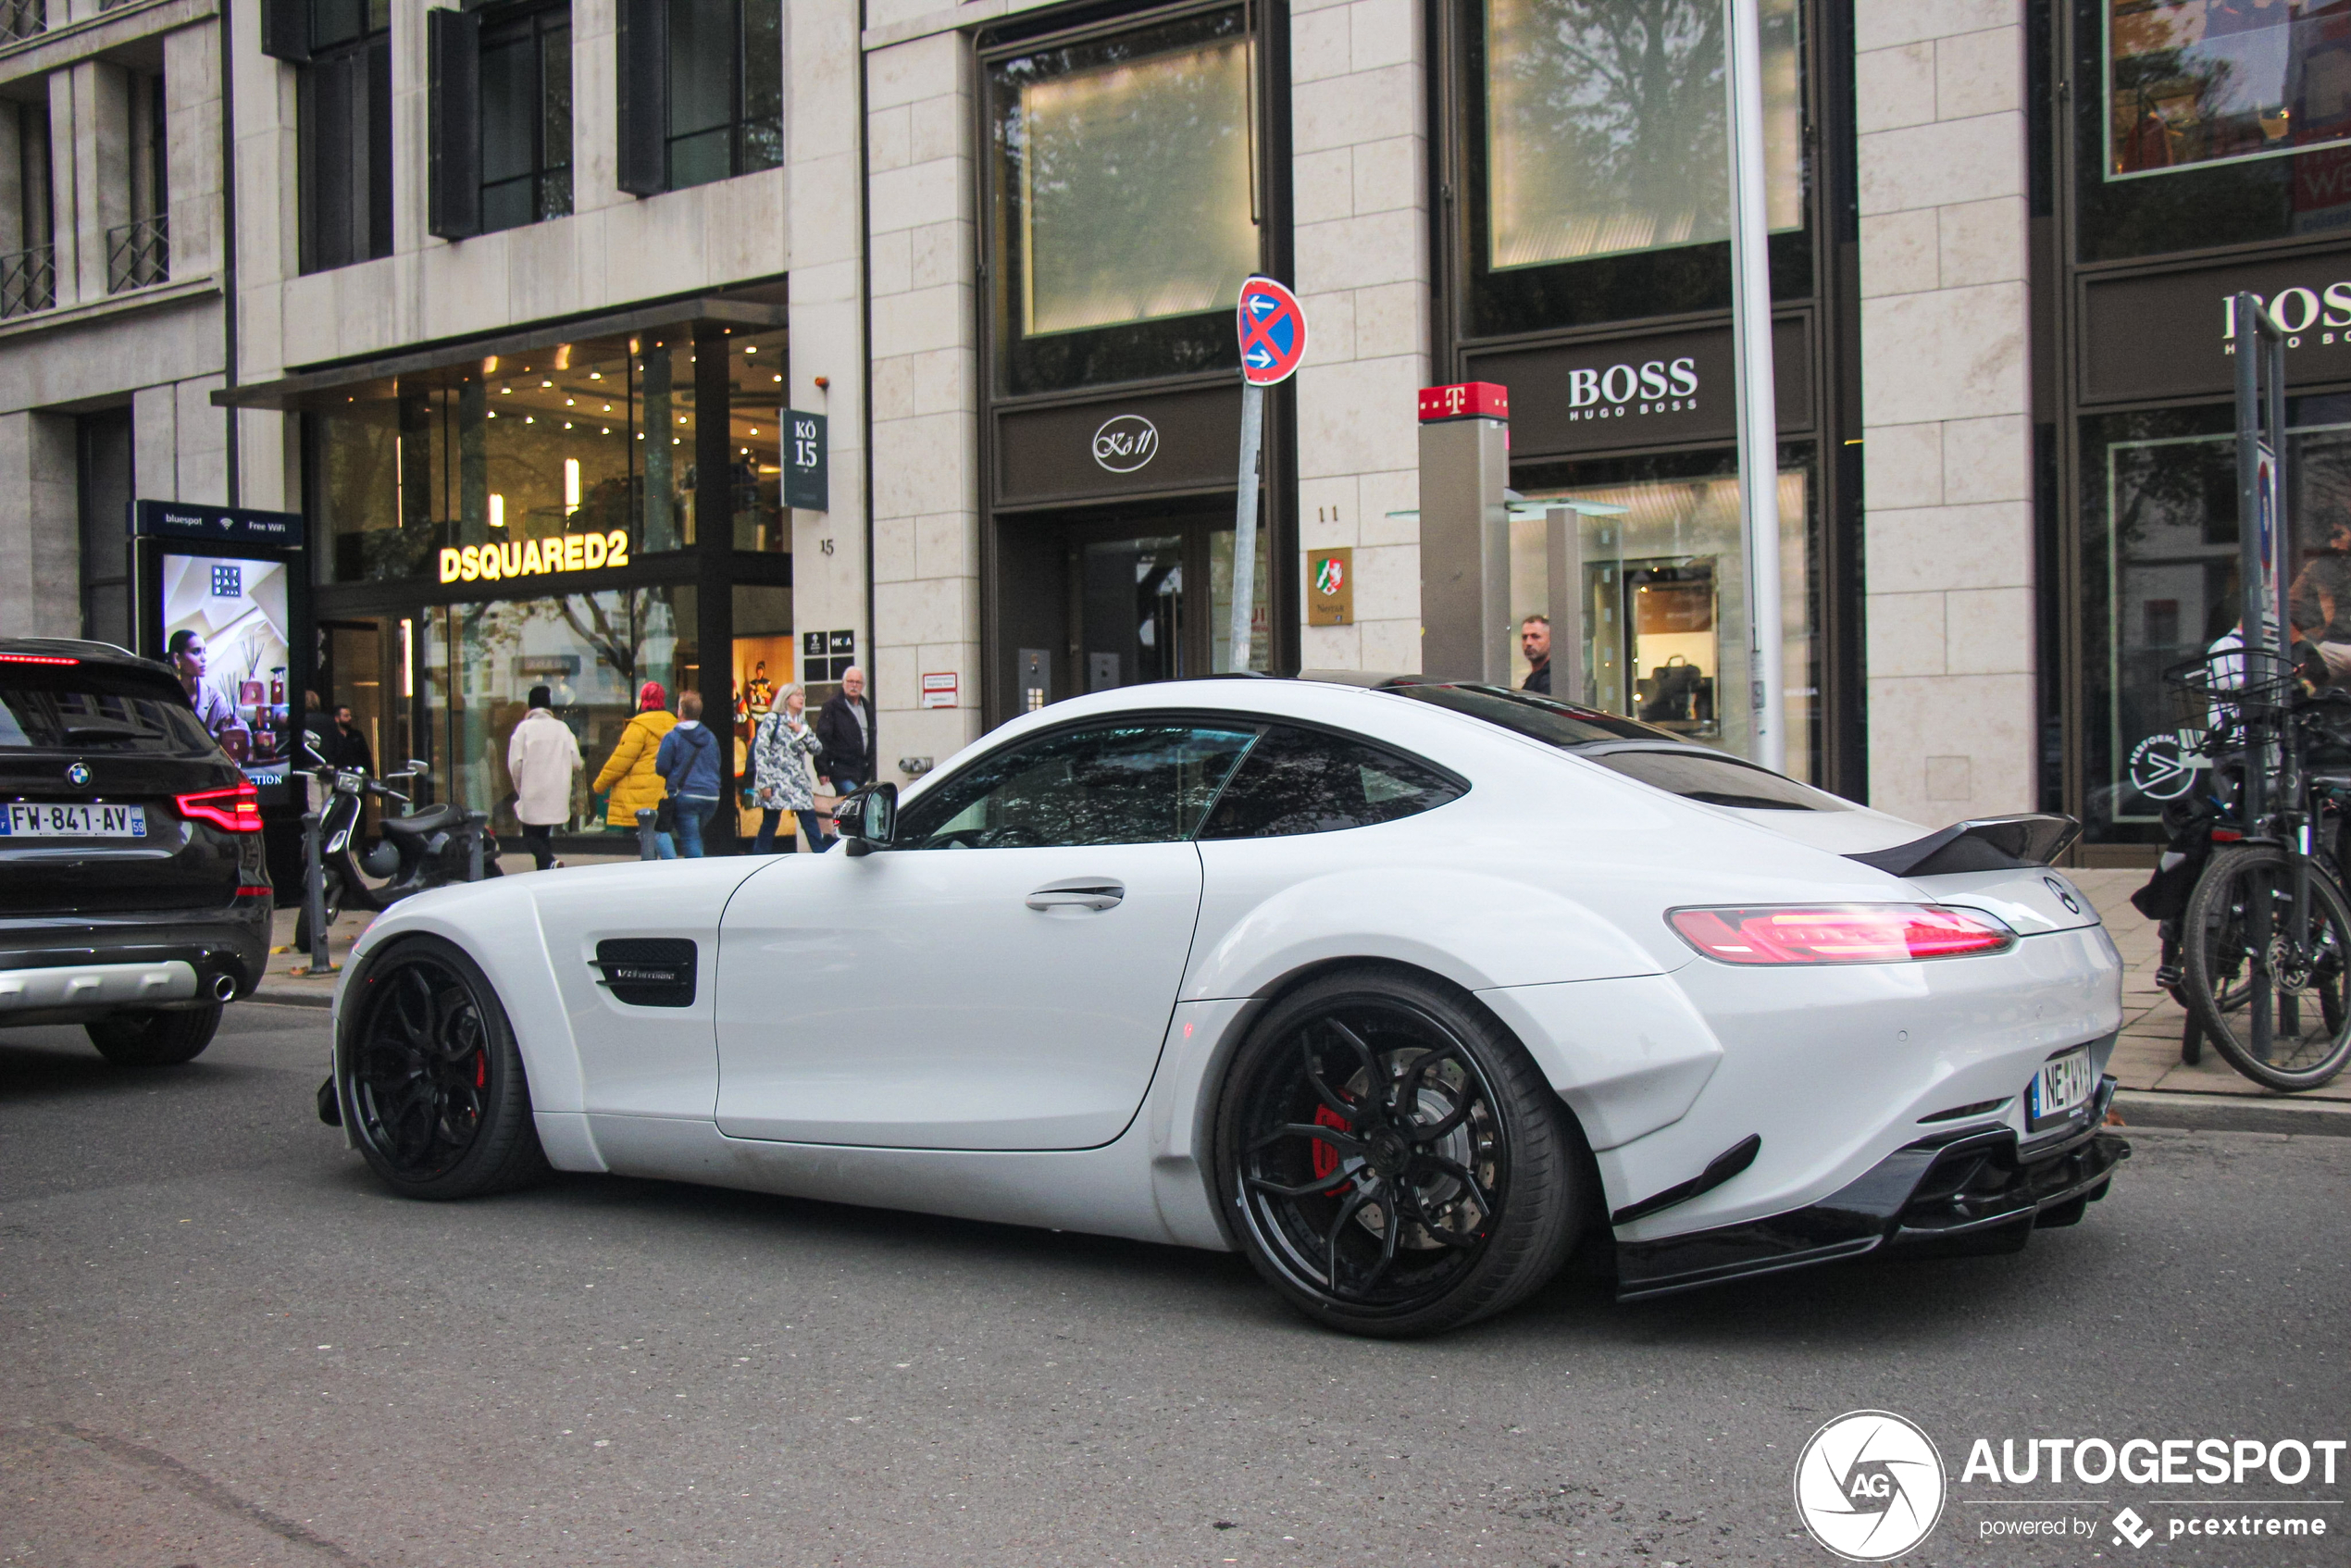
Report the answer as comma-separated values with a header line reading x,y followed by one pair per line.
x,y
543,755
780,771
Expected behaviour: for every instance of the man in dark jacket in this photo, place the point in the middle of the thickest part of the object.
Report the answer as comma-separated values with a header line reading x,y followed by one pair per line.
x,y
687,762
845,734
1534,641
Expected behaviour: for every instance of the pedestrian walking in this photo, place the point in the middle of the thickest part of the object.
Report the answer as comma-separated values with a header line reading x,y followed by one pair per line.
x,y
629,772
687,762
779,755
541,756
1534,641
845,731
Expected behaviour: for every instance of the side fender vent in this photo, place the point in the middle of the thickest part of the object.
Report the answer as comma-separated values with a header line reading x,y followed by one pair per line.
x,y
647,971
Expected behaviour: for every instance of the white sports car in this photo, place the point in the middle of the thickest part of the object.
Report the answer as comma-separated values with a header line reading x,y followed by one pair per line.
x,y
1402,989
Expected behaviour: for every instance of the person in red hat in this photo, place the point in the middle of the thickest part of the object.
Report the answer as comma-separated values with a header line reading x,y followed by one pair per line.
x,y
629,772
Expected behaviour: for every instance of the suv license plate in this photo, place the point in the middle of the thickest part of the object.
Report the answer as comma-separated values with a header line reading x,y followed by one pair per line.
x,y
2062,1086
99,821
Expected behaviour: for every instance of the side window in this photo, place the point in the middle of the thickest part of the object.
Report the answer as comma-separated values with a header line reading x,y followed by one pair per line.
x,y
1115,784
1304,781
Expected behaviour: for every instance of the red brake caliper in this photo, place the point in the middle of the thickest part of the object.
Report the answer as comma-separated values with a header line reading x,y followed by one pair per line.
x,y
482,1069
1327,1157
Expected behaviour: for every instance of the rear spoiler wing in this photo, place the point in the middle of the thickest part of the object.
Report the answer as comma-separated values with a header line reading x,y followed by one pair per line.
x,y
1987,843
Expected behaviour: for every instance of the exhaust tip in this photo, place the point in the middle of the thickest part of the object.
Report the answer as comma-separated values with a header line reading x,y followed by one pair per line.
x,y
224,988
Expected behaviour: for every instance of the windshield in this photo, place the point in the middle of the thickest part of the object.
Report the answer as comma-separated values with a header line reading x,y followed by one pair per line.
x,y
94,708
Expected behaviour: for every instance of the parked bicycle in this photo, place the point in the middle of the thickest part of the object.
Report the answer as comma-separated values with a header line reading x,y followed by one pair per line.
x,y
2259,951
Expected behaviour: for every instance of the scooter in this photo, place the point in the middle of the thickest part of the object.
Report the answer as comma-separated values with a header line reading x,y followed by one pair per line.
x,y
427,848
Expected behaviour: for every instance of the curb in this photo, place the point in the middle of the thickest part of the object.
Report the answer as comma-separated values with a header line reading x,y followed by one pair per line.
x,y
286,996
2231,1113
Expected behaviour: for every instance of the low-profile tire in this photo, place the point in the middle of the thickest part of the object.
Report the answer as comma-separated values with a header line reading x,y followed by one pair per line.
x,y
1391,1159
430,1079
154,1037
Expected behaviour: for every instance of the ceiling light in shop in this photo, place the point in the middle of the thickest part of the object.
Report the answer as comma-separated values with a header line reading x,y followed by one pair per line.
x,y
497,510
751,348
567,403
571,486
595,375
546,383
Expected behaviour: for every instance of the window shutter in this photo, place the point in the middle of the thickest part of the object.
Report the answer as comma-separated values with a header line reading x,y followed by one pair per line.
x,y
452,81
285,30
644,119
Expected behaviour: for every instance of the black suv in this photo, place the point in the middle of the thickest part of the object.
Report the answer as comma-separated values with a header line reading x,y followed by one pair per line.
x,y
133,896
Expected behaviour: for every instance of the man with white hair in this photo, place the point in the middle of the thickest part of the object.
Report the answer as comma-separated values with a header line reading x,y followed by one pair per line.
x,y
845,734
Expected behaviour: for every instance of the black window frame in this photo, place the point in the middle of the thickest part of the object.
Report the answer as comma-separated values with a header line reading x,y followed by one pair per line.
x,y
547,180
648,103
1601,291
1156,349
348,79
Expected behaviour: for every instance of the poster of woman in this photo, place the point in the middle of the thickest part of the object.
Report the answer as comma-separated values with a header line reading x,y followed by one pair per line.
x,y
225,636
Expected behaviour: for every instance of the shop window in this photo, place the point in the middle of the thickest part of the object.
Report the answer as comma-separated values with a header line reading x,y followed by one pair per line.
x,y
1599,168
593,650
1123,208
1662,612
764,677
755,415
2159,542
700,92
343,105
2212,122
597,438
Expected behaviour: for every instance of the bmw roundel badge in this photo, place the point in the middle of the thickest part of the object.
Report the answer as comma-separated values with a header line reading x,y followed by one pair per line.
x,y
78,774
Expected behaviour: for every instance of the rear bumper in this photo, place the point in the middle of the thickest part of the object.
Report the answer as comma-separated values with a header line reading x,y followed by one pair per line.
x,y
1970,1187
117,955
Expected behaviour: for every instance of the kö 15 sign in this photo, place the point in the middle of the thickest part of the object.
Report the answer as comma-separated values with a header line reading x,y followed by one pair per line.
x,y
806,484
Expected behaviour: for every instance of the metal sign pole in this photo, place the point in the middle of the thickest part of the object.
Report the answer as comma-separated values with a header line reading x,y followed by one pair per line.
x,y
1245,524
2254,600
1565,557
1757,402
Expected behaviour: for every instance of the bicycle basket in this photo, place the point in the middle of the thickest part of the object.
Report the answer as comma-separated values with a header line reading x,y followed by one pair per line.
x,y
2226,685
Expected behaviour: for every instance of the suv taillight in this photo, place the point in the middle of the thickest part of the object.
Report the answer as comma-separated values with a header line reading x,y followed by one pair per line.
x,y
238,809
1847,933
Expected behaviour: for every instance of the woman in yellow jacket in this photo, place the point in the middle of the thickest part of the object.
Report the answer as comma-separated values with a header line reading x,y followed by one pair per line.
x,y
628,773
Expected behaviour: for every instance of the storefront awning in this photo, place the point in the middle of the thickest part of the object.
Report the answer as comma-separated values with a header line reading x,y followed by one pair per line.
x,y
290,393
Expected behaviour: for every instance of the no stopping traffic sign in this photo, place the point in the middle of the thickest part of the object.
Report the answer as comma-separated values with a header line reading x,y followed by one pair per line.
x,y
1272,328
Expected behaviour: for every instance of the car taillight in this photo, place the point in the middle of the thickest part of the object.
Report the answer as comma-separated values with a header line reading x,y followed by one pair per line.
x,y
238,810
36,659
1849,933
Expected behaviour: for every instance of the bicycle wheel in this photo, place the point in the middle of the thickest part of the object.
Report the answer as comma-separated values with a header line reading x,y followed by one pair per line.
x,y
2271,1000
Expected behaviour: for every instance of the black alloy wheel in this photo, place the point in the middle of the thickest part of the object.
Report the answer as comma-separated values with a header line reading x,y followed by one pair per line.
x,y
432,1082
1394,1162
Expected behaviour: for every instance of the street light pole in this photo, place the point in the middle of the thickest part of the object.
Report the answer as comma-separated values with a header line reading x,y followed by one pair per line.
x,y
1757,402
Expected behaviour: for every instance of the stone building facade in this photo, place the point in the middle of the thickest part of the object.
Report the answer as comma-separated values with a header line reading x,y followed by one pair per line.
x,y
993,247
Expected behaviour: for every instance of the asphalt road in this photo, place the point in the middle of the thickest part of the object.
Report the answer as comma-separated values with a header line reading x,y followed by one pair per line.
x,y
222,1344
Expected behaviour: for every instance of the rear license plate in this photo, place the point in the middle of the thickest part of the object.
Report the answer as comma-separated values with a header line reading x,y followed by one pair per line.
x,y
99,821
2061,1087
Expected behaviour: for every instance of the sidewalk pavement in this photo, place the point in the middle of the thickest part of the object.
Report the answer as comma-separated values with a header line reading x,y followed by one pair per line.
x,y
2157,1088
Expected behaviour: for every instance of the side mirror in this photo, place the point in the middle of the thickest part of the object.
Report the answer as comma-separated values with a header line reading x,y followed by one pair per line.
x,y
867,820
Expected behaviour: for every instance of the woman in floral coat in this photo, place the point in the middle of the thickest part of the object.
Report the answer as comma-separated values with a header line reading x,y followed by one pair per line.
x,y
778,765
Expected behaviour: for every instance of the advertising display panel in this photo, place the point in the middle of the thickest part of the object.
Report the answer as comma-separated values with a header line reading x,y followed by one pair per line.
x,y
226,635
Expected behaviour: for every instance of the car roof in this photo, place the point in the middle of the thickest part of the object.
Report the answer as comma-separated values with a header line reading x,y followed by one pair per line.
x,y
77,648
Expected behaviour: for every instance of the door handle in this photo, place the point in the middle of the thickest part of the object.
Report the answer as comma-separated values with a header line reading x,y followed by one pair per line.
x,y
1077,894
